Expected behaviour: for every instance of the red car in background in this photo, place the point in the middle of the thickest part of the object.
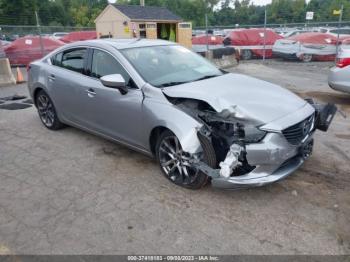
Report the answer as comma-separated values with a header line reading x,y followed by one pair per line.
x,y
307,47
210,40
27,49
79,36
250,42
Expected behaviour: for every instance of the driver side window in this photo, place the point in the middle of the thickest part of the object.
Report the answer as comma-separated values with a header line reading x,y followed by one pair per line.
x,y
104,64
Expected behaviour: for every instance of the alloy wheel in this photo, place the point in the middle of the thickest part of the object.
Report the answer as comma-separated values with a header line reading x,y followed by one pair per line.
x,y
175,162
46,110
307,58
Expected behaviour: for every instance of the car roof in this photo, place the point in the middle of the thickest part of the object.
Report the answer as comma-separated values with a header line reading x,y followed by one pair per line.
x,y
122,43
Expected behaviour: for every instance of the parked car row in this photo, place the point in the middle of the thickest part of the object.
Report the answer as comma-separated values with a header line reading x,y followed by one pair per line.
x,y
304,45
307,47
29,48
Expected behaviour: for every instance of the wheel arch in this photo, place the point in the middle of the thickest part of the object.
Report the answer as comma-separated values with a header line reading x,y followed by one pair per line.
x,y
35,88
155,133
36,92
162,117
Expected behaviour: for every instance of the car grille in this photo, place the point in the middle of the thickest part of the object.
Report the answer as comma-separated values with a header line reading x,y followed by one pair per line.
x,y
298,132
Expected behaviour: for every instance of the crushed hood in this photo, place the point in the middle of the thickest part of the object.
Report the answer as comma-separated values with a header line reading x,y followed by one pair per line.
x,y
249,97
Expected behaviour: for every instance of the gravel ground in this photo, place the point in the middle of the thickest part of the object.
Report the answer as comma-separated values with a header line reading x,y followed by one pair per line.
x,y
69,192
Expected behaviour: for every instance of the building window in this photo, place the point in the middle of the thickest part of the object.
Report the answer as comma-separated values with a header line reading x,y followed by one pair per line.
x,y
151,26
185,25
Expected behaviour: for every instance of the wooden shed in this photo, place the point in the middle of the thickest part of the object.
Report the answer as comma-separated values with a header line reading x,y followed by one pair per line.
x,y
153,22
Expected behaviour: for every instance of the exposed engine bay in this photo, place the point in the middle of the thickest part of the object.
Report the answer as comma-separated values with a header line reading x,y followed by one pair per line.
x,y
226,135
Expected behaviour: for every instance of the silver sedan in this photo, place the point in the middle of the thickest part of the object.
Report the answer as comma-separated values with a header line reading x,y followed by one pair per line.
x,y
339,77
159,98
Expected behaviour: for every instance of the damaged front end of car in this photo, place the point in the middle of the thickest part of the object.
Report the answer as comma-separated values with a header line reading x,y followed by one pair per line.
x,y
247,153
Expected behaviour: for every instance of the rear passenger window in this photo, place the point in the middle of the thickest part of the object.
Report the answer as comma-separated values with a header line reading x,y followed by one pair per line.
x,y
74,60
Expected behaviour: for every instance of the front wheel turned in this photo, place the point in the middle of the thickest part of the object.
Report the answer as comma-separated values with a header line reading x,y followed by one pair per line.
x,y
174,163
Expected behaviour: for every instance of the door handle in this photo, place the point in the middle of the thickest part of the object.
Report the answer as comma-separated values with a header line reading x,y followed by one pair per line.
x,y
51,77
91,93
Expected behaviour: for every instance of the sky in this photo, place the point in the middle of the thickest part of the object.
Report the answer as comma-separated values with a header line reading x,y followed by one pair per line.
x,y
256,2
261,2
264,2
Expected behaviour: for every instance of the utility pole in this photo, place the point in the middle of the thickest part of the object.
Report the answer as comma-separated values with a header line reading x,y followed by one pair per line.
x,y
206,31
339,24
265,22
39,30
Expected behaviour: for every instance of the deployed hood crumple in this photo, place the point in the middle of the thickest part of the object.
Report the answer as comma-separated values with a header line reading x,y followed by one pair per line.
x,y
248,97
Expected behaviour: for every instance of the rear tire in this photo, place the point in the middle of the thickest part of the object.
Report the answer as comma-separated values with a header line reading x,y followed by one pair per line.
x,y
247,54
173,163
306,58
47,111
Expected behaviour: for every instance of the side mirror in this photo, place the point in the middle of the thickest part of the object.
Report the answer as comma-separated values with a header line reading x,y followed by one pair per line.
x,y
115,81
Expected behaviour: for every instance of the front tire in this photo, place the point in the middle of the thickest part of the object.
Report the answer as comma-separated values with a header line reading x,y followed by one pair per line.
x,y
174,163
47,111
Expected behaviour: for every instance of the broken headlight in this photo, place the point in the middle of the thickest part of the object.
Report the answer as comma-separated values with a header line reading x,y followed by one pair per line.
x,y
253,134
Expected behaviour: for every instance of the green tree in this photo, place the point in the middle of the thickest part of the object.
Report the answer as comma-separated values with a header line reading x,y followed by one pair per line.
x,y
324,9
17,12
224,12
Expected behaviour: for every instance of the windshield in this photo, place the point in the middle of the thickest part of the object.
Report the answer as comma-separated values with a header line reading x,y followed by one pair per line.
x,y
163,66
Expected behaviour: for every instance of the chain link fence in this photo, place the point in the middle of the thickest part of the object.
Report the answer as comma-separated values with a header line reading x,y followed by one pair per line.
x,y
13,32
278,26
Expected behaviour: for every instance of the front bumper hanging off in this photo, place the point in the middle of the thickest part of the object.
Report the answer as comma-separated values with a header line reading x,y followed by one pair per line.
x,y
249,181
274,158
256,179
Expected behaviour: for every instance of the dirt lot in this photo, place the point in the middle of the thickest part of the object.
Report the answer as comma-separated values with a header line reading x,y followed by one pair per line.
x,y
69,192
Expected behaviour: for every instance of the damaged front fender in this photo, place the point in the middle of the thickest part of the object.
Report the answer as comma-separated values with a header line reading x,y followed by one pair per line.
x,y
222,137
246,152
166,115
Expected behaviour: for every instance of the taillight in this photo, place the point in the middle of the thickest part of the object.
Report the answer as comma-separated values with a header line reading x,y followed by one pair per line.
x,y
343,62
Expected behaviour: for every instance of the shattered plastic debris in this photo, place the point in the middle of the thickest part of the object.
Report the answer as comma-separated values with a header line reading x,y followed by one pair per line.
x,y
231,161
